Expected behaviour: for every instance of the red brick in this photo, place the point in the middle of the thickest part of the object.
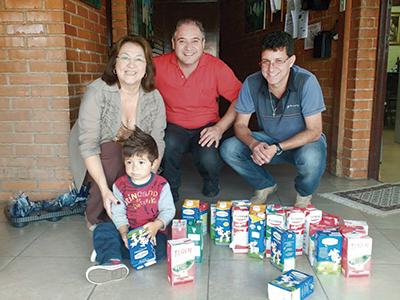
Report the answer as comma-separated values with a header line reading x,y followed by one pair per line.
x,y
77,21
34,150
9,42
49,116
52,162
40,66
31,79
55,28
59,78
83,12
45,16
22,185
8,16
70,6
70,30
33,127
14,91
27,54
25,29
53,4
49,91
44,42
30,104
16,138
58,55
23,4
6,150
59,103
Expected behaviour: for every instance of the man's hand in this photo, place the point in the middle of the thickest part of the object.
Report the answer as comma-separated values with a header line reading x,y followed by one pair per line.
x,y
262,152
108,199
210,135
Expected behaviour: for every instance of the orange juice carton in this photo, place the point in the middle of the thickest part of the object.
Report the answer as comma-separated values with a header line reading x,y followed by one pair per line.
x,y
141,250
356,254
328,252
191,209
273,219
204,216
256,234
223,223
195,233
291,285
240,227
213,212
283,249
178,228
295,222
180,260
313,216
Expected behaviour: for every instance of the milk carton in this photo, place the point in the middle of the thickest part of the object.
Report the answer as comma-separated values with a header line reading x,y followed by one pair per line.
x,y
328,252
295,222
256,234
356,254
213,212
313,216
240,227
291,285
273,218
204,216
355,225
141,250
283,249
195,233
191,209
223,223
180,256
178,228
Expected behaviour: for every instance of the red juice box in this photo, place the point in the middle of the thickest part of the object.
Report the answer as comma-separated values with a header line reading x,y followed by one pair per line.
x,y
356,254
204,216
180,256
178,228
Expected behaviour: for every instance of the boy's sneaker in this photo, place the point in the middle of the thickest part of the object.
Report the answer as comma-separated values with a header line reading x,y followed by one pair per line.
x,y
303,201
114,270
260,196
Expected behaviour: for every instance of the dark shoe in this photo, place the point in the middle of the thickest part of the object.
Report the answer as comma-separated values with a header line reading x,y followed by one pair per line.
x,y
210,189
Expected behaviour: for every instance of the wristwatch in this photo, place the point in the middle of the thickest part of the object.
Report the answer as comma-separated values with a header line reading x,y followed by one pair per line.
x,y
279,149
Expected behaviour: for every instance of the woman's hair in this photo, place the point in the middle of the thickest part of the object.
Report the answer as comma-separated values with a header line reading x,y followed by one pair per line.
x,y
109,75
140,143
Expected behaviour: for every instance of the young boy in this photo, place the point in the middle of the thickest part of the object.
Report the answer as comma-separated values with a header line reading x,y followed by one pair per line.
x,y
145,199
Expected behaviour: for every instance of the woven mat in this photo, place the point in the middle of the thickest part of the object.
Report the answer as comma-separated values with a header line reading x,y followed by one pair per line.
x,y
381,200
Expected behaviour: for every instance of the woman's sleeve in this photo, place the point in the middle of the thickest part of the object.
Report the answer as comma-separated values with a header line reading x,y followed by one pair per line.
x,y
159,124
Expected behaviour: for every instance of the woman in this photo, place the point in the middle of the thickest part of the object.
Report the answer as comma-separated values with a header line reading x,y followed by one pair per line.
x,y
124,97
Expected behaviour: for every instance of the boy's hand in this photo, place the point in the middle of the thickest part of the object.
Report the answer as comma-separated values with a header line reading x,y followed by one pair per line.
x,y
152,228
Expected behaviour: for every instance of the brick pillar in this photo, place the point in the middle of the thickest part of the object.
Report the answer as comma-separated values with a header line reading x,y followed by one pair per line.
x,y
360,88
119,19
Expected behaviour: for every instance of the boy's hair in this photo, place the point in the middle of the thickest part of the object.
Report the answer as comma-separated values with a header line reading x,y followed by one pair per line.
x,y
278,40
140,143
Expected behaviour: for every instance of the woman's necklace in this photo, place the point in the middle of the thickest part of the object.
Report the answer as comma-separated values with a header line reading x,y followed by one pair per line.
x,y
274,108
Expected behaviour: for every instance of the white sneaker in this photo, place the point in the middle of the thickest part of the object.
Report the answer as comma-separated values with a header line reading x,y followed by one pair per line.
x,y
109,272
93,256
303,201
260,196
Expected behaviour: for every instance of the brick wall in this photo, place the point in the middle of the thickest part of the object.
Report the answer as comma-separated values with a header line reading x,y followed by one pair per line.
x,y
50,50
241,51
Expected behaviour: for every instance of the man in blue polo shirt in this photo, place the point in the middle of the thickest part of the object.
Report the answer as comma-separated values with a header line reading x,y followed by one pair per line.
x,y
288,102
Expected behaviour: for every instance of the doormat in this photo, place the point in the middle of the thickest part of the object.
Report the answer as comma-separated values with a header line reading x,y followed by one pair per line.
x,y
381,200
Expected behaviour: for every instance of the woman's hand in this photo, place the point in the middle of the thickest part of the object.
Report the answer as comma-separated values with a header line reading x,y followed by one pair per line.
x,y
108,199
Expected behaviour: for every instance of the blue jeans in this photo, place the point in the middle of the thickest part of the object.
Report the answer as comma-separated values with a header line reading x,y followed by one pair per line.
x,y
309,161
179,141
108,244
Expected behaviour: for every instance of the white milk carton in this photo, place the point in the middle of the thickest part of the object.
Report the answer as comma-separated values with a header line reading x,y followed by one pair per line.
x,y
356,254
313,216
257,234
295,222
291,285
328,252
240,227
283,249
223,223
181,266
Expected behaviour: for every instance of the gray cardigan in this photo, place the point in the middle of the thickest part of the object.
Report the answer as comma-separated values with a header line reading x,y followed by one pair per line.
x,y
100,118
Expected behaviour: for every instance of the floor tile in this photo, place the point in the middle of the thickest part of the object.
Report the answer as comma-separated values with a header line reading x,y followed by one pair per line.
x,y
383,250
393,235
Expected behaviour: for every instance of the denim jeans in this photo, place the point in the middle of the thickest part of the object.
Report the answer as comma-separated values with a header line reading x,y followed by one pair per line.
x,y
179,141
108,244
309,161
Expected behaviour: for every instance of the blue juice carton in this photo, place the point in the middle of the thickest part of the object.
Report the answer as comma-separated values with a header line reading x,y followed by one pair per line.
x,y
223,223
195,233
141,250
283,249
291,285
328,252
256,234
191,209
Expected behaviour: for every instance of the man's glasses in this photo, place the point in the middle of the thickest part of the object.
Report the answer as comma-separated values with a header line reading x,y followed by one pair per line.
x,y
277,62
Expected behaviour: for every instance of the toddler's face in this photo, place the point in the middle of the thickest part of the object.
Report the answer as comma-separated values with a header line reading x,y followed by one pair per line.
x,y
138,168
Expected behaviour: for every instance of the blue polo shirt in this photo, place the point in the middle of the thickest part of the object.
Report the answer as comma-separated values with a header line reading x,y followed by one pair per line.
x,y
284,118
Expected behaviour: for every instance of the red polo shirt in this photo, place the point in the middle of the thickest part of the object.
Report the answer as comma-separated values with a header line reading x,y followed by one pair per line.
x,y
192,102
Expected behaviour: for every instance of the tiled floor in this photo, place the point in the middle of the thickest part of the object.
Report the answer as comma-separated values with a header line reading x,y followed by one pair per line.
x,y
47,260
390,165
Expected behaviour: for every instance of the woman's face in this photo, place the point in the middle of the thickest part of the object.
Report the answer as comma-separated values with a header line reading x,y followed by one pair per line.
x,y
130,64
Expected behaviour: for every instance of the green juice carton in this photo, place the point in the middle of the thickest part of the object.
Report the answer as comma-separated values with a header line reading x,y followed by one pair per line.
x,y
195,233
213,211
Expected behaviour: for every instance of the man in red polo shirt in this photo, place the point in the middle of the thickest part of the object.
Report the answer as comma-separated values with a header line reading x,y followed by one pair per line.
x,y
190,82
